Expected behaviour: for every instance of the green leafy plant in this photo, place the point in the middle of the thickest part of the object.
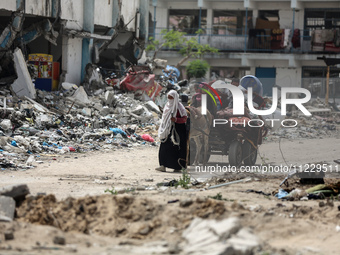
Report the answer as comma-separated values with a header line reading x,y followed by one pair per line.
x,y
218,196
188,46
197,68
184,181
112,191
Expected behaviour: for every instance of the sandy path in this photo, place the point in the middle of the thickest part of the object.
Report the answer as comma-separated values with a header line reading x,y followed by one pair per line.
x,y
291,226
90,174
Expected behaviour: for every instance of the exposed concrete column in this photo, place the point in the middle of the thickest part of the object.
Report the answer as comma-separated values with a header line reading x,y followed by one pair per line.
x,y
162,22
207,75
210,20
56,8
251,5
252,71
71,57
115,12
296,4
19,2
255,16
89,27
144,19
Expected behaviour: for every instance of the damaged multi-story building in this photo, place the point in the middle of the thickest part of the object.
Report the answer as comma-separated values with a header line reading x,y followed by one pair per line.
x,y
71,34
282,42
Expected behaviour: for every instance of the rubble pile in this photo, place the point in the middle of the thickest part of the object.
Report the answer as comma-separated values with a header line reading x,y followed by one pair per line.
x,y
315,127
70,121
324,122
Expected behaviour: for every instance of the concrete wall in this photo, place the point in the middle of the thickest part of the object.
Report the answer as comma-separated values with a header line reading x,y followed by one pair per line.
x,y
41,8
10,5
160,20
286,77
73,10
322,4
103,13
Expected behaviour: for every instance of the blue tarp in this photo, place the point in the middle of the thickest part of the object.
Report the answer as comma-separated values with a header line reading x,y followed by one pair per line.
x,y
118,131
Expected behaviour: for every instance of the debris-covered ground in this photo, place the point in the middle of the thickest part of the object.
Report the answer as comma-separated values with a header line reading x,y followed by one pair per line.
x,y
112,201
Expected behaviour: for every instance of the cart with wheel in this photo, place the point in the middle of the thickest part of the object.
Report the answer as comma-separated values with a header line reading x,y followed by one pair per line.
x,y
239,141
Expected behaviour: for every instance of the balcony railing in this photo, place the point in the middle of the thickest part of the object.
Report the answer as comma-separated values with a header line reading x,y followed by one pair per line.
x,y
265,40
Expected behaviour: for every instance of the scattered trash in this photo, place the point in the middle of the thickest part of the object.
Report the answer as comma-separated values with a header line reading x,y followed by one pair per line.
x,y
281,194
148,138
306,176
172,183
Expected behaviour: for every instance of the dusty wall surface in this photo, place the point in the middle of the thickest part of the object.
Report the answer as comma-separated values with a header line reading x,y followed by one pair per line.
x,y
10,5
72,10
103,13
47,8
286,77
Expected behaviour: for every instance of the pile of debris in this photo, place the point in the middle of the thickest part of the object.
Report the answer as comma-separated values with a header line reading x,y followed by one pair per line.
x,y
35,121
73,123
324,122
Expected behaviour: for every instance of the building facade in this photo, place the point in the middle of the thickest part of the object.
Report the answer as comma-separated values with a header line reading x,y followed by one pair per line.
x,y
281,42
76,32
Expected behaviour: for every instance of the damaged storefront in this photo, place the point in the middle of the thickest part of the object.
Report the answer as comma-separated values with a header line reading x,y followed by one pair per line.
x,y
58,39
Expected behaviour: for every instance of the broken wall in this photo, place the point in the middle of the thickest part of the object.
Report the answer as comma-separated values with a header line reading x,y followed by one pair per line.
x,y
47,8
128,11
23,85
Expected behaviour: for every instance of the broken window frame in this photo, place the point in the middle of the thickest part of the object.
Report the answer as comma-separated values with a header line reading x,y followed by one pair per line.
x,y
231,26
321,19
229,72
270,15
317,75
191,17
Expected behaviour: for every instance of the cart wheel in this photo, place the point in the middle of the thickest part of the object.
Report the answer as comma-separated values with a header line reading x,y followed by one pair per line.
x,y
249,154
235,153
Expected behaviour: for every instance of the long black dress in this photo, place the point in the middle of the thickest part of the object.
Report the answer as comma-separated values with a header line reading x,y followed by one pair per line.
x,y
171,155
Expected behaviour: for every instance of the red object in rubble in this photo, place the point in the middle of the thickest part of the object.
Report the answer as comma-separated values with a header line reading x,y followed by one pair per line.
x,y
148,138
141,80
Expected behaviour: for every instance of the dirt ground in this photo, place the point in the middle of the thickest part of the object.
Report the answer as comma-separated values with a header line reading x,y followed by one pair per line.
x,y
73,203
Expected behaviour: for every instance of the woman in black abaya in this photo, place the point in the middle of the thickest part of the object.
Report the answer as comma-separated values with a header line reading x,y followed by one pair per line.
x,y
173,135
